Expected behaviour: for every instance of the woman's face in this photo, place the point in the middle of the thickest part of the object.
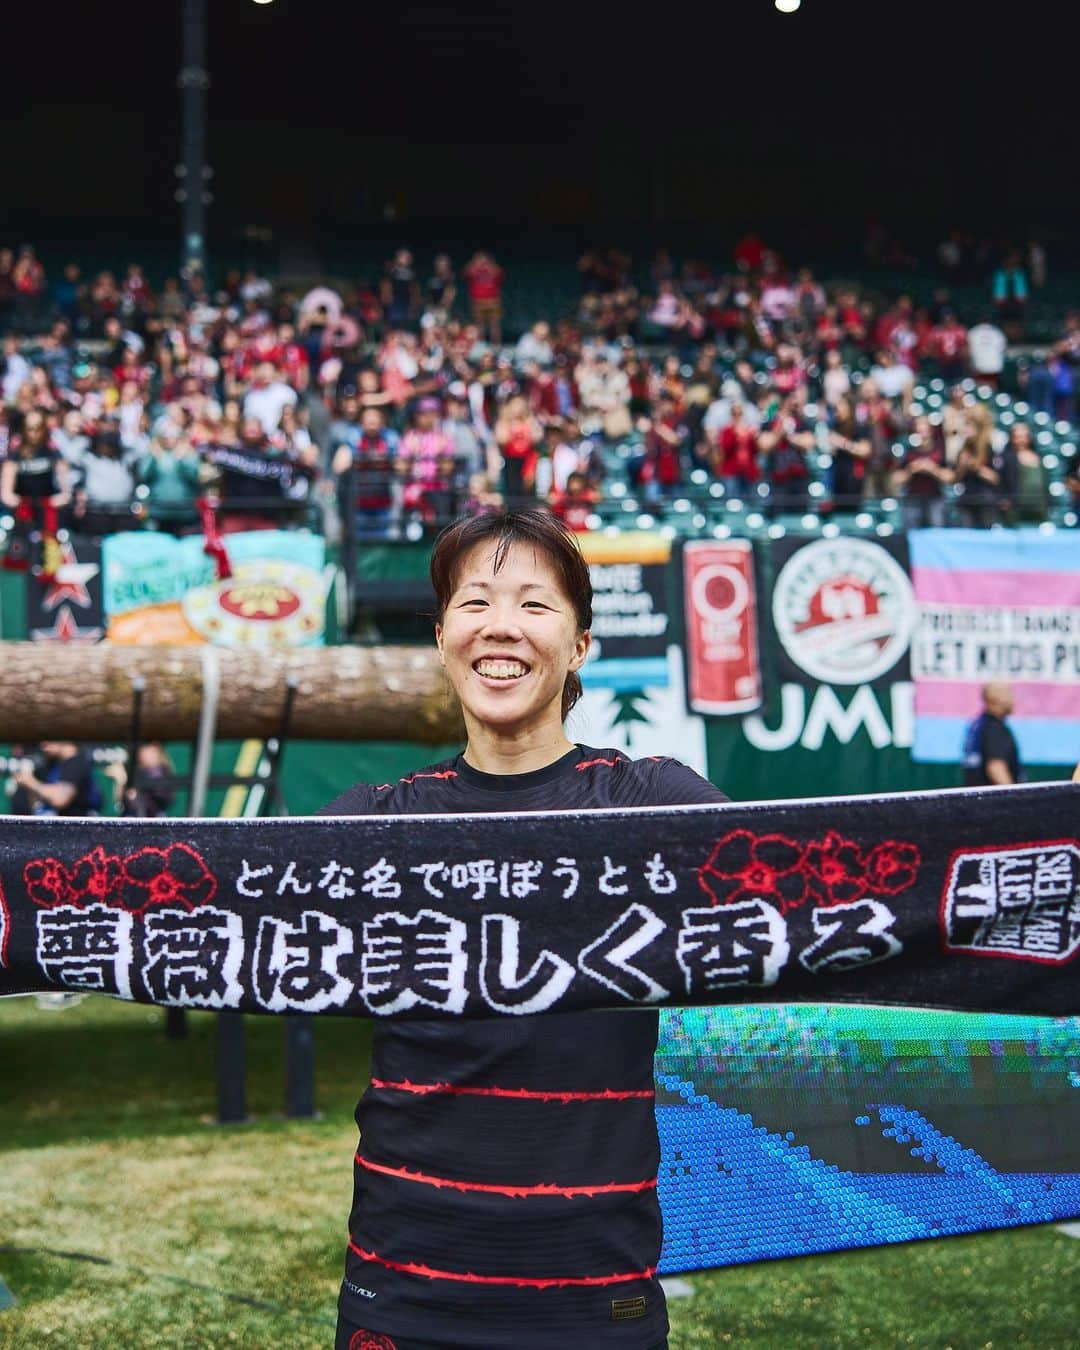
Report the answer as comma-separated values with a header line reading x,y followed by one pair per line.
x,y
508,639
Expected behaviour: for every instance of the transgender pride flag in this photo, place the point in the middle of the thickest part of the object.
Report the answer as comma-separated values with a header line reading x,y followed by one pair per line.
x,y
997,605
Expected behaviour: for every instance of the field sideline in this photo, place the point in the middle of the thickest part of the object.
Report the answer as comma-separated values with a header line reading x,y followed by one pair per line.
x,y
127,1219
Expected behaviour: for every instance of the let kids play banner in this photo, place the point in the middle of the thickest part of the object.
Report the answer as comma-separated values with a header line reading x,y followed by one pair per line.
x,y
997,605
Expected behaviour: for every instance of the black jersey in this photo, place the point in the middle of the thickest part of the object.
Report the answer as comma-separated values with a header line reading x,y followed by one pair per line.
x,y
505,1184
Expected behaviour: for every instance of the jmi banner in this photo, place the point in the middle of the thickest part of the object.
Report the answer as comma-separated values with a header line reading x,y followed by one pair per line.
x,y
837,714
785,1131
968,899
997,606
67,607
161,589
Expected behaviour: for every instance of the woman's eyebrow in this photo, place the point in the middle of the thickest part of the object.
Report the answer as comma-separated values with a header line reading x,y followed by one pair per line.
x,y
486,586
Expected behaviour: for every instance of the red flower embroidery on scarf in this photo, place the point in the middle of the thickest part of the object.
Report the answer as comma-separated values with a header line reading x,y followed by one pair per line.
x,y
745,866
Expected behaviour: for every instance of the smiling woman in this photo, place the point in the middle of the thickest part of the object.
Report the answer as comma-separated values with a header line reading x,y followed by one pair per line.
x,y
514,612
505,1184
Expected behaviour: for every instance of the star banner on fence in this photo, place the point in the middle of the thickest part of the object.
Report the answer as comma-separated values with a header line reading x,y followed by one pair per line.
x,y
966,899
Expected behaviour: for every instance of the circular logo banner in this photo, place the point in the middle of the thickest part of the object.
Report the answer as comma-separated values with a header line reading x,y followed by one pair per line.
x,y
266,604
843,610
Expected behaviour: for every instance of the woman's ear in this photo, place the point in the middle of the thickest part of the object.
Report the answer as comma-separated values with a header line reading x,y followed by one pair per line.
x,y
439,643
581,650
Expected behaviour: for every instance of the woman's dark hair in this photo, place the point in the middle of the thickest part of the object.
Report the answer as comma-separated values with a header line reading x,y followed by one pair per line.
x,y
532,527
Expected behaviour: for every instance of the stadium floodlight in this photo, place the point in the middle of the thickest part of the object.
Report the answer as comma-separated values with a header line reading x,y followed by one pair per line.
x,y
721,531
593,522
755,520
645,521
777,531
831,530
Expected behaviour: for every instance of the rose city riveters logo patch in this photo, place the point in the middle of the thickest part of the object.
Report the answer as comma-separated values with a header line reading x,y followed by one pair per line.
x,y
1022,903
844,610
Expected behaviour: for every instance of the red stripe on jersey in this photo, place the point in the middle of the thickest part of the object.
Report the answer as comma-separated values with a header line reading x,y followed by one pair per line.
x,y
588,763
523,1094
445,773
516,1192
519,1282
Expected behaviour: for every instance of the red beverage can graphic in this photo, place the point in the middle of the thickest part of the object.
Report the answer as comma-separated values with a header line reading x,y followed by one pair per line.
x,y
722,661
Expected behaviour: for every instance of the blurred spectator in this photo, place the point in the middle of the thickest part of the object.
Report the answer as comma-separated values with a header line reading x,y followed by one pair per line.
x,y
440,290
835,381
28,276
1063,385
7,285
57,780
400,291
518,434
922,476
894,378
947,347
35,481
267,396
259,487
16,368
425,461
604,395
105,484
883,423
735,458
484,279
469,450
150,792
576,503
365,467
659,470
986,350
535,345
1009,289
974,474
787,439
1023,490
849,444
1037,383
171,473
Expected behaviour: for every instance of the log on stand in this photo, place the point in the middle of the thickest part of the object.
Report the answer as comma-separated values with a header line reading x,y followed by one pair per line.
x,y
82,692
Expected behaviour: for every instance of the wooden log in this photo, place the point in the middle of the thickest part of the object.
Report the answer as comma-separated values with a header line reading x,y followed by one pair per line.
x,y
83,692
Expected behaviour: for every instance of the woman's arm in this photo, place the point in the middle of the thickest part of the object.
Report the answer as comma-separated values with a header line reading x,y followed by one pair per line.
x,y
8,495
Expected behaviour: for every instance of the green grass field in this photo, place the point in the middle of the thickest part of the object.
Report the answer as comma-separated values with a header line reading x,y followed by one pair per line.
x,y
128,1219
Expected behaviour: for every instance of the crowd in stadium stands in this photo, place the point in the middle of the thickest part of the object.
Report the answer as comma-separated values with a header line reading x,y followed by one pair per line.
x,y
385,408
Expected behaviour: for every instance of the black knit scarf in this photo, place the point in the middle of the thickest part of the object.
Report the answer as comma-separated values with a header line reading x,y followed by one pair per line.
x,y
966,899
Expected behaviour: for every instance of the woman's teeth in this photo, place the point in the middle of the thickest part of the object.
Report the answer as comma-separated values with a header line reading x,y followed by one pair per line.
x,y
501,670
